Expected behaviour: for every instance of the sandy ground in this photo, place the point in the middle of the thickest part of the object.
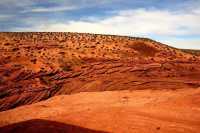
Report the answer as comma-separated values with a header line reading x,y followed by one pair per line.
x,y
37,66
96,83
139,111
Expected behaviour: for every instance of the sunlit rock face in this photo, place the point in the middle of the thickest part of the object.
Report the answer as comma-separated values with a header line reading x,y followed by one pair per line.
x,y
38,66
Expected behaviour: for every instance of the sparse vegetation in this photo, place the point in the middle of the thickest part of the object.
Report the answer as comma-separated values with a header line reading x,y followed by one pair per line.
x,y
66,58
34,61
190,51
15,49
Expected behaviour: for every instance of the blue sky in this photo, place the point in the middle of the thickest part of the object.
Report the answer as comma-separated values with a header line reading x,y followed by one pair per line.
x,y
174,22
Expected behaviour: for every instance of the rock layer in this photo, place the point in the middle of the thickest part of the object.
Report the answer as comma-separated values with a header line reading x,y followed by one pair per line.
x,y
37,66
135,111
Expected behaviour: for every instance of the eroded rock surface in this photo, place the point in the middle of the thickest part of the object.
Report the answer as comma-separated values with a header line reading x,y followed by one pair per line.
x,y
135,111
37,66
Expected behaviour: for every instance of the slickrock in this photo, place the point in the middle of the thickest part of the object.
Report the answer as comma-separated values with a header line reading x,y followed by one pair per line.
x,y
38,66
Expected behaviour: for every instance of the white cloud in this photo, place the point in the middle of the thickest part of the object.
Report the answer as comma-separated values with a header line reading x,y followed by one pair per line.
x,y
138,22
16,3
183,43
134,22
50,9
66,5
5,17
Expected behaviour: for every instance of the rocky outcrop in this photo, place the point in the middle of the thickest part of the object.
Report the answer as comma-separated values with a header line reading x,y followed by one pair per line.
x,y
37,66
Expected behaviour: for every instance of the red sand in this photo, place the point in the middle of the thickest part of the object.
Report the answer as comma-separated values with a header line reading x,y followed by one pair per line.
x,y
141,111
162,83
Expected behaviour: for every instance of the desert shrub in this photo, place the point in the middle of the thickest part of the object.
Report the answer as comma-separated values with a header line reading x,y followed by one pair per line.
x,y
6,44
34,61
15,49
61,41
17,65
93,46
62,53
66,67
42,69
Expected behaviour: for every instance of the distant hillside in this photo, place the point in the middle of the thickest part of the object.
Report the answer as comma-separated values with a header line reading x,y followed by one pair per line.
x,y
37,66
193,52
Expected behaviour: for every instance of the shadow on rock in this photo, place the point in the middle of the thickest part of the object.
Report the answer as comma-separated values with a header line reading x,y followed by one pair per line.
x,y
44,126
